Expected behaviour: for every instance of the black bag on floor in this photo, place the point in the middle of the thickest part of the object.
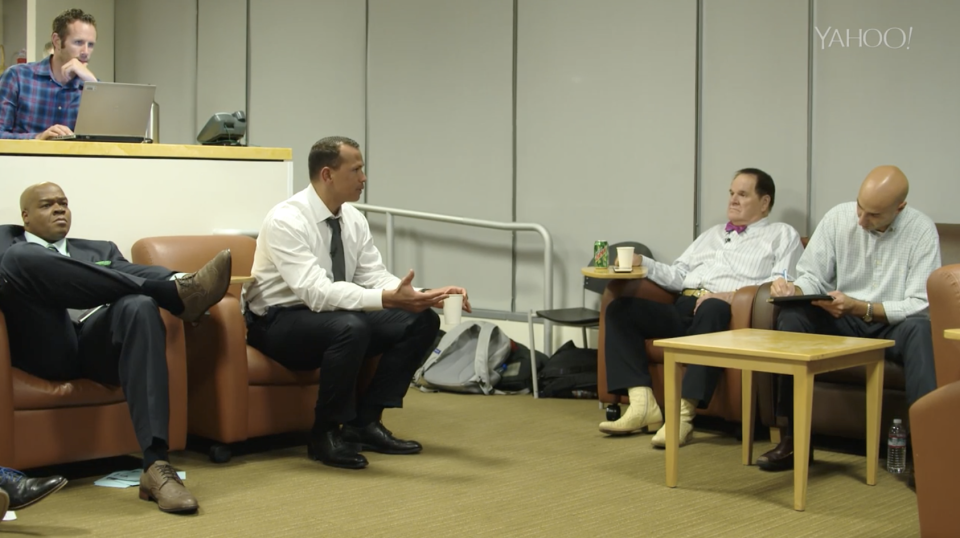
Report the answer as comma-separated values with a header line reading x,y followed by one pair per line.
x,y
516,373
570,373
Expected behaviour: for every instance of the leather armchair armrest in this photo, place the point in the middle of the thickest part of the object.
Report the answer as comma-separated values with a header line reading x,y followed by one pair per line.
x,y
937,469
764,316
6,397
219,376
639,288
176,380
943,290
742,307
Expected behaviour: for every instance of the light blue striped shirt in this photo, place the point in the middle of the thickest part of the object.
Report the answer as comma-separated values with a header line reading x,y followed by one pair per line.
x,y
889,268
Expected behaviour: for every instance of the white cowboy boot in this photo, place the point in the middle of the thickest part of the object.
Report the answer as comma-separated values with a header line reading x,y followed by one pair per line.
x,y
642,415
688,410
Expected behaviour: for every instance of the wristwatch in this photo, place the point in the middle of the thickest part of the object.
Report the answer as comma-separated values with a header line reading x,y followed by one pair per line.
x,y
868,317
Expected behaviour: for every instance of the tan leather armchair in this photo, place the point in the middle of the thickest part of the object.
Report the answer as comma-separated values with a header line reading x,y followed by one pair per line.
x,y
933,418
726,402
235,392
52,422
935,437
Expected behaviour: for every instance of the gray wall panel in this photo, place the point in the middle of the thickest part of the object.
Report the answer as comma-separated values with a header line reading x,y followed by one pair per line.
x,y
605,131
307,70
156,43
754,102
877,102
221,58
440,137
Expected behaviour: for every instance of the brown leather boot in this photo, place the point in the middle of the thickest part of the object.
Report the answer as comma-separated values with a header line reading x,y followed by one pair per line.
x,y
160,483
203,289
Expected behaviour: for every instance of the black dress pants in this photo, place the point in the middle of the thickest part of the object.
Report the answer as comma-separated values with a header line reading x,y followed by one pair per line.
x,y
913,348
122,344
338,342
630,321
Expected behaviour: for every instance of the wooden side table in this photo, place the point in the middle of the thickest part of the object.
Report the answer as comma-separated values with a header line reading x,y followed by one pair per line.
x,y
610,274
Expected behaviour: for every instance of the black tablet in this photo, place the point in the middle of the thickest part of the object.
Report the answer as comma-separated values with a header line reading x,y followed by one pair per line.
x,y
799,299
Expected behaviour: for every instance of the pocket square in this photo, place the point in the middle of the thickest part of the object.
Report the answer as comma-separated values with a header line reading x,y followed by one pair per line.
x,y
104,262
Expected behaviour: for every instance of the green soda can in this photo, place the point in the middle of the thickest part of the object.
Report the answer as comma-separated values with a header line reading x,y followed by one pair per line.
x,y
601,256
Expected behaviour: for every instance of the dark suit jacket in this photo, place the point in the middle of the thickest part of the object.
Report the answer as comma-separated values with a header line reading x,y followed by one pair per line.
x,y
89,251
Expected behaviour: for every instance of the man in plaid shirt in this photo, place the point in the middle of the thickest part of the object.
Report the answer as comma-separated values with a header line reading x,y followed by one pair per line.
x,y
40,100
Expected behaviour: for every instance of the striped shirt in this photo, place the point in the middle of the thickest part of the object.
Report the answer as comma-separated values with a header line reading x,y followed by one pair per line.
x,y
890,267
32,101
722,261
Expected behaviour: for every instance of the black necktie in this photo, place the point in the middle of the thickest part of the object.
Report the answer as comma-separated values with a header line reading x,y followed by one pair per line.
x,y
336,251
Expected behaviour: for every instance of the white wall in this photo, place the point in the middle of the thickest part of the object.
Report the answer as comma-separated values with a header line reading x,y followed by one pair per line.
x,y
221,58
603,139
14,28
439,106
885,102
605,129
754,103
156,43
307,74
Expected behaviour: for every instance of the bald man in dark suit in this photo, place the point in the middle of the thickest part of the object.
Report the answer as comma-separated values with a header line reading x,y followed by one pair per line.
x,y
75,308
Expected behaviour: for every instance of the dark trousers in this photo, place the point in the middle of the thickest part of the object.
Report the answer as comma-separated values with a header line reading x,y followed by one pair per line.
x,y
630,321
122,344
338,343
913,348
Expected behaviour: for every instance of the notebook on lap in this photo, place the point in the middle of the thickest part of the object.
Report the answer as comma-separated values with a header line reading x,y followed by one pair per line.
x,y
113,112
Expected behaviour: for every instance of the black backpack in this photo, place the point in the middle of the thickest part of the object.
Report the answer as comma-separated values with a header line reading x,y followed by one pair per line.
x,y
570,373
516,374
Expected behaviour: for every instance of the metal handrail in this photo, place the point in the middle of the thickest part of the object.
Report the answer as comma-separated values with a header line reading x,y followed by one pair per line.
x,y
477,223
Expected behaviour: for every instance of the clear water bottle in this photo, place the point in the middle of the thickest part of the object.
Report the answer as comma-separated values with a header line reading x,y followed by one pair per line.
x,y
897,448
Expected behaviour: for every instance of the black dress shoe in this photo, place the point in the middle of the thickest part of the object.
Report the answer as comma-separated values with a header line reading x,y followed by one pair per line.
x,y
329,449
25,491
781,457
376,437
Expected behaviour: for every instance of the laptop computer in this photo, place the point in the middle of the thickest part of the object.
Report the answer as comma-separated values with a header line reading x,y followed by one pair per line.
x,y
113,112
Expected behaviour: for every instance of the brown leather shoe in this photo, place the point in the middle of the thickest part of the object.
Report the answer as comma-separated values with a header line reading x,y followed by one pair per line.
x,y
160,483
203,289
781,457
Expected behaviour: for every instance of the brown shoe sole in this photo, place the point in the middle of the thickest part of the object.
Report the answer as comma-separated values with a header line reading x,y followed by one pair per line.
x,y
146,496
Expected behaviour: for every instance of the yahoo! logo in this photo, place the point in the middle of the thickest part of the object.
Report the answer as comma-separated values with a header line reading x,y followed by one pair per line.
x,y
892,38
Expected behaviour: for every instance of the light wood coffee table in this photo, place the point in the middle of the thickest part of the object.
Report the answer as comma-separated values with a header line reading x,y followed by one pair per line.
x,y
777,352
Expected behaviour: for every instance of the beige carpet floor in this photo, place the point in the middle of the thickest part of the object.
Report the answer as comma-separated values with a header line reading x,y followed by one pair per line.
x,y
506,466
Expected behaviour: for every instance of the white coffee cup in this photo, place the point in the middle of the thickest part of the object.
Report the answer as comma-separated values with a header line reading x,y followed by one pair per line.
x,y
624,257
452,306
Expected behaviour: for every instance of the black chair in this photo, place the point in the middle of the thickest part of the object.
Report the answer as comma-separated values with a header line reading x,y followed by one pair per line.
x,y
582,316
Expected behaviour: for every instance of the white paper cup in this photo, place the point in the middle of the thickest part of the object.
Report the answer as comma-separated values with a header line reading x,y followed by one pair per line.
x,y
624,257
452,306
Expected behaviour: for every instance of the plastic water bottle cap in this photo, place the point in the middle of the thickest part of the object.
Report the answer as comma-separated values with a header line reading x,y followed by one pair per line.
x,y
896,421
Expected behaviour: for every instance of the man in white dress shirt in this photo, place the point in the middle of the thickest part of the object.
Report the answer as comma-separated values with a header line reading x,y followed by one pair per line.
x,y
322,298
873,256
747,251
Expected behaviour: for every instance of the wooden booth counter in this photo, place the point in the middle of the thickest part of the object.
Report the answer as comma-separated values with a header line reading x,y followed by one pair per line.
x,y
122,192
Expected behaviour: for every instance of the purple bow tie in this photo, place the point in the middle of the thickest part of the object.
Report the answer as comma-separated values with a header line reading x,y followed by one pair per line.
x,y
731,227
